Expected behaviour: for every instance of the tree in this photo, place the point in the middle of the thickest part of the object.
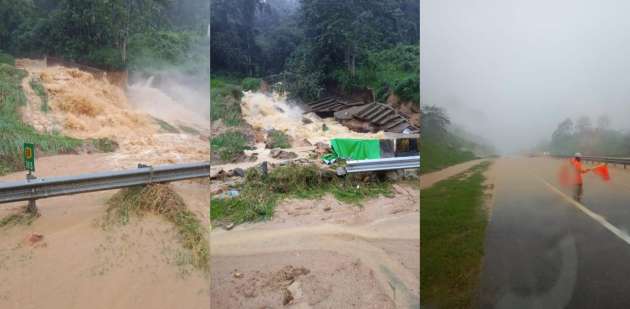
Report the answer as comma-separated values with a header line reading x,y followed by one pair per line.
x,y
584,125
433,121
565,128
603,123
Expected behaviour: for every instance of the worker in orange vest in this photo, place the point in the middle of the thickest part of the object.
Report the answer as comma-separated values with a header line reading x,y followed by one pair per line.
x,y
576,162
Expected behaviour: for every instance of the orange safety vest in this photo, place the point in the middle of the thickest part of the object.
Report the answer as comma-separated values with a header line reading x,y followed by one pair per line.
x,y
578,171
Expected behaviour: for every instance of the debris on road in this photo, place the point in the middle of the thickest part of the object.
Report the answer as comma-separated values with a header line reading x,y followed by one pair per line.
x,y
281,154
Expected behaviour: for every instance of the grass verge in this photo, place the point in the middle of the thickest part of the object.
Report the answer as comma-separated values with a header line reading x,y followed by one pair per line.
x,y
260,194
41,93
228,145
437,155
225,101
452,231
22,218
162,200
14,133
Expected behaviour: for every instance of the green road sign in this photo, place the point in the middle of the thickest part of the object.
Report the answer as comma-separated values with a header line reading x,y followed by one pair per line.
x,y
29,157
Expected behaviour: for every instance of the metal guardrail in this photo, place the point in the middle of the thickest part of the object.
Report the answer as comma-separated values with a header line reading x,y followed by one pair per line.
x,y
386,164
609,160
57,186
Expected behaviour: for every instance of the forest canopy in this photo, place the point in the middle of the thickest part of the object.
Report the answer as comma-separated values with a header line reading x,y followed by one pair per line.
x,y
595,138
108,34
317,44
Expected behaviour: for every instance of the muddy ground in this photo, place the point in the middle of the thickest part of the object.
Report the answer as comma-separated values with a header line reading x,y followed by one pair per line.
x,y
322,254
77,263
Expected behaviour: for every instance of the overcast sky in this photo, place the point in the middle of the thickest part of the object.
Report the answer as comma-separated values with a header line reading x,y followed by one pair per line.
x,y
510,71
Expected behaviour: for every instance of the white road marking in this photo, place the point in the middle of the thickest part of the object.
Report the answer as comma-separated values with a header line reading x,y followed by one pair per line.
x,y
598,218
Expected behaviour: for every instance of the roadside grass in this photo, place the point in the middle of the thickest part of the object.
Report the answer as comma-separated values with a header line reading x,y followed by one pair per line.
x,y
228,145
22,218
452,230
41,93
161,200
277,139
440,154
14,133
259,194
225,100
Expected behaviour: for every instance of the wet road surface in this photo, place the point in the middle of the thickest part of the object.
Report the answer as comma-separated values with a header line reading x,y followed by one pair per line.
x,y
545,250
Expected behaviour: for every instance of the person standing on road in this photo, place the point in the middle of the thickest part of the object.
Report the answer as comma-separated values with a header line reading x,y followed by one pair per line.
x,y
576,162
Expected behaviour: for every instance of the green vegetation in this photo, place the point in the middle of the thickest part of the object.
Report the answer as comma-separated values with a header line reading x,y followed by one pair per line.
x,y
109,35
440,146
260,194
162,200
22,218
251,84
14,133
165,126
165,50
41,93
582,136
439,154
104,144
189,130
395,70
225,101
452,231
6,59
229,144
278,139
315,45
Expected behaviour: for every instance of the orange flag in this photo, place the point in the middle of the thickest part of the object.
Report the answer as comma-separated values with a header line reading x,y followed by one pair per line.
x,y
602,171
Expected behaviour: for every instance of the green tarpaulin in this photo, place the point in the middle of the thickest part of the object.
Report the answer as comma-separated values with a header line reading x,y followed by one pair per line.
x,y
356,149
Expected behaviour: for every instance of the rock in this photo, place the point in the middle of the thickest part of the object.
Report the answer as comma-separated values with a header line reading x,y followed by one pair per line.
x,y
296,290
287,297
35,238
237,275
322,148
281,154
394,175
264,168
229,226
238,172
327,208
306,120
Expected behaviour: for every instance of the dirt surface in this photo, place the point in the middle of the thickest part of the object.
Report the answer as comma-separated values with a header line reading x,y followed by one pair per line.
x,y
354,256
429,179
67,259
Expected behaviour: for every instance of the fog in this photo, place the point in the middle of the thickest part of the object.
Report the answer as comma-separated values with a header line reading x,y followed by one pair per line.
x,y
510,71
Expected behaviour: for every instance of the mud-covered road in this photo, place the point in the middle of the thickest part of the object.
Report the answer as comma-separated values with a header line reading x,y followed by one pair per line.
x,y
322,254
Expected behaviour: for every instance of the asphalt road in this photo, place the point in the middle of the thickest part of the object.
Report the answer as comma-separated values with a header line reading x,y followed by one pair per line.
x,y
545,250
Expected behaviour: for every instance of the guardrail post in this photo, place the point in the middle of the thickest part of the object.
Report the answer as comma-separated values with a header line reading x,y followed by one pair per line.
x,y
32,205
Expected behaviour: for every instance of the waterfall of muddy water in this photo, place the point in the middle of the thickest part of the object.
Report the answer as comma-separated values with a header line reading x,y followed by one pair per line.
x,y
145,97
274,112
86,107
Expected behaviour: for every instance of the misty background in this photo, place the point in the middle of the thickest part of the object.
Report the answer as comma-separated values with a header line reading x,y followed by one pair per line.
x,y
512,71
